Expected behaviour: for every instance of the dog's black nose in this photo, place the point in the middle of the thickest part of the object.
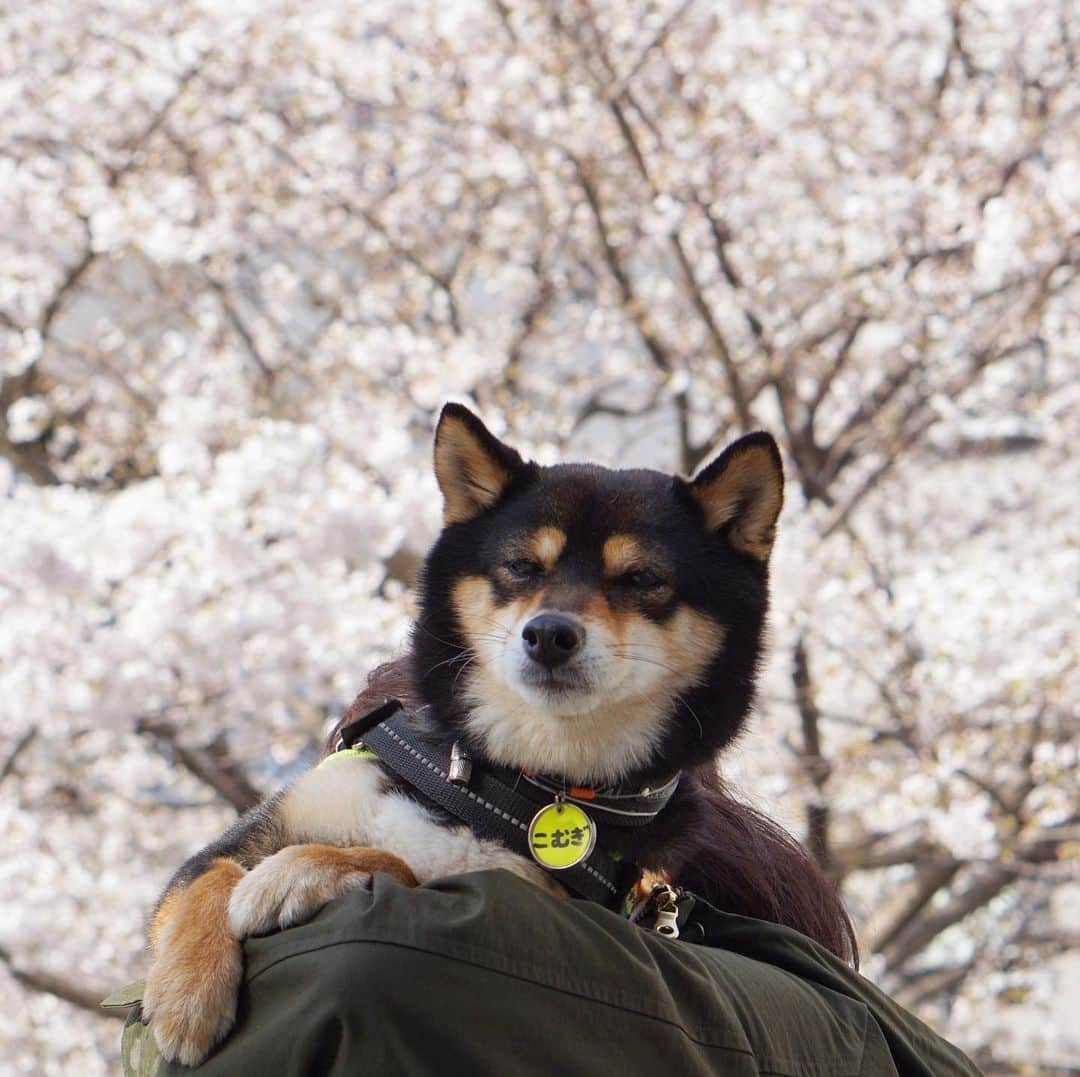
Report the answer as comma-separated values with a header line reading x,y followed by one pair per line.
x,y
553,638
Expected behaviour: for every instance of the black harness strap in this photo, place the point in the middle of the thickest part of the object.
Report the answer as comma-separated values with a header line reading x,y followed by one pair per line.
x,y
348,735
490,808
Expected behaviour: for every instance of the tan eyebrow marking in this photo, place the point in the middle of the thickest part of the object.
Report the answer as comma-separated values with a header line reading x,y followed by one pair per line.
x,y
547,545
621,553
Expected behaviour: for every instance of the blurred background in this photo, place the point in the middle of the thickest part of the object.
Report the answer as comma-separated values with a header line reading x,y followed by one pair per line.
x,y
248,249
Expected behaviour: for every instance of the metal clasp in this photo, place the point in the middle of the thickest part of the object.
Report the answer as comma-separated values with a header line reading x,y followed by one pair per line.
x,y
666,902
460,765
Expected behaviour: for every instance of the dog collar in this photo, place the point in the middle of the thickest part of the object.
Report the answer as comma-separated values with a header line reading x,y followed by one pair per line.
x,y
522,814
627,808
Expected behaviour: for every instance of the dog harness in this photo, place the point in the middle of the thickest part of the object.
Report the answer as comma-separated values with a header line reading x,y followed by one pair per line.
x,y
534,815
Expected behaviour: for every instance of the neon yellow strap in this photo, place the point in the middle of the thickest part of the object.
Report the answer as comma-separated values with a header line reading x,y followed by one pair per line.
x,y
350,753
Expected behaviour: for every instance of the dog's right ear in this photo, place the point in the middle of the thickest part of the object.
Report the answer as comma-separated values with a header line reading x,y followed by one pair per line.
x,y
741,493
473,468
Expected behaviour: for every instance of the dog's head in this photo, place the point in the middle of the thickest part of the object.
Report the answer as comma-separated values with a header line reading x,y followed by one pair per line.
x,y
593,623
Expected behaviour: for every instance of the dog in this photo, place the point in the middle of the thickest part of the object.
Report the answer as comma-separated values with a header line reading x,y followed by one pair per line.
x,y
589,635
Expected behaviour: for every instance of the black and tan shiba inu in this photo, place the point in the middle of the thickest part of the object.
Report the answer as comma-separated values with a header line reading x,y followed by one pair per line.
x,y
586,637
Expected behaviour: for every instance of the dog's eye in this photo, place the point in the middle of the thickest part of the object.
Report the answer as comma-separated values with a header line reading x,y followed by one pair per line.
x,y
524,568
643,579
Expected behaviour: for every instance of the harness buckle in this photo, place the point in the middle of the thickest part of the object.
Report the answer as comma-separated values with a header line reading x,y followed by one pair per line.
x,y
460,769
666,902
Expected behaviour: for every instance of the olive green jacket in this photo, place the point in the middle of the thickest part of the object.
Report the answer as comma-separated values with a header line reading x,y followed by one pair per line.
x,y
484,974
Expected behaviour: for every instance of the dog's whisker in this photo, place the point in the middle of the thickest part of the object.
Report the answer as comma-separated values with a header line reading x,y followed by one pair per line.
x,y
438,639
472,660
646,661
463,656
495,623
693,714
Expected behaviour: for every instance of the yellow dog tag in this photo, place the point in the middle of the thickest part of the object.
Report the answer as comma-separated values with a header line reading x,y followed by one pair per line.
x,y
560,836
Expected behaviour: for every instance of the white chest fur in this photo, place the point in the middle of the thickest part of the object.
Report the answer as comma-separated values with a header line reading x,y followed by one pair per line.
x,y
347,802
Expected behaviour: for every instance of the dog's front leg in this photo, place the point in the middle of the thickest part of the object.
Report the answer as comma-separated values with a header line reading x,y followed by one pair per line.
x,y
293,884
191,988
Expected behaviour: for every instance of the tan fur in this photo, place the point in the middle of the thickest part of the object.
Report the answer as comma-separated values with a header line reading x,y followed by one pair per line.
x,y
547,546
192,985
621,624
469,478
749,490
162,914
518,610
691,641
596,608
293,884
621,554
474,603
686,643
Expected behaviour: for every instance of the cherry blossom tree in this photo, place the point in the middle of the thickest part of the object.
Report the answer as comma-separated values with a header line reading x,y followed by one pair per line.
x,y
249,249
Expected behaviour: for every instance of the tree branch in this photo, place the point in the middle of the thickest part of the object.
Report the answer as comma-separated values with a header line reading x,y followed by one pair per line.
x,y
20,746
77,994
904,905
813,763
614,94
906,939
210,764
657,350
266,372
693,286
661,35
444,282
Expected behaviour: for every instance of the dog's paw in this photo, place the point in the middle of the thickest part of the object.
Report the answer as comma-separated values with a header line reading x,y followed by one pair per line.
x,y
192,986
190,999
293,884
289,887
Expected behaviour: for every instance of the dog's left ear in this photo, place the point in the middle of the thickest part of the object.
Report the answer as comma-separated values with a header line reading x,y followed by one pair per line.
x,y
474,468
742,491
